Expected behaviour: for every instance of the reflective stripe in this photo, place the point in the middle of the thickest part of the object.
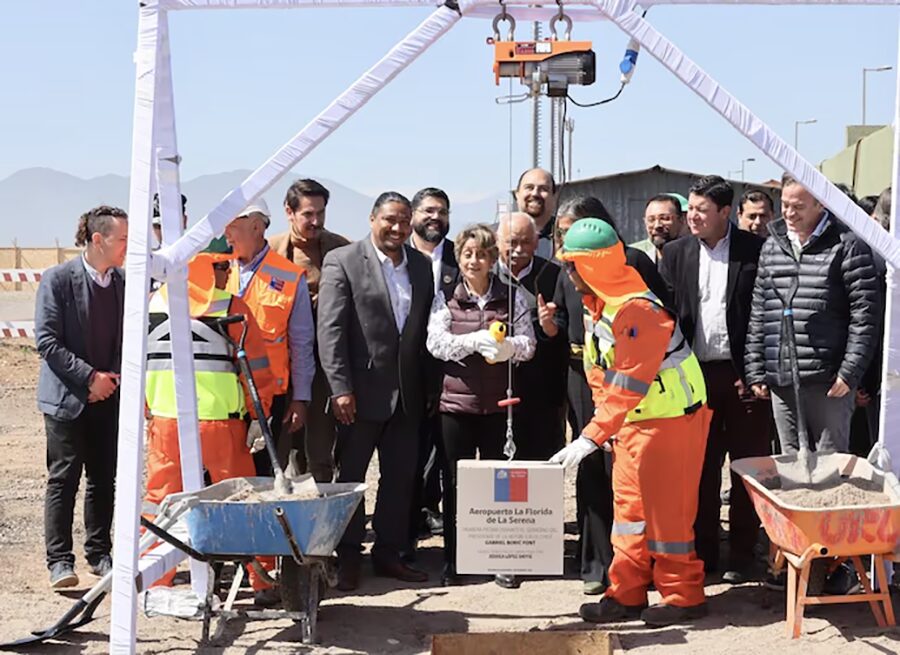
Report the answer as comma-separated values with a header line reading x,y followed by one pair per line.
x,y
685,385
634,527
626,382
218,306
258,363
287,276
671,547
210,365
198,348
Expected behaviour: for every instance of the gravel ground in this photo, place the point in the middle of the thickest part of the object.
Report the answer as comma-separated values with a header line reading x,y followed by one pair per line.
x,y
382,616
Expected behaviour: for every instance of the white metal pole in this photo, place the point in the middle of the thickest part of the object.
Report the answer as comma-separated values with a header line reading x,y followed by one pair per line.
x,y
168,183
129,467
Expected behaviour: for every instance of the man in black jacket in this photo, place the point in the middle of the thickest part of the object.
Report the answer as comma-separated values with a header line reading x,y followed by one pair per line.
x,y
710,275
835,315
593,485
430,224
78,331
374,300
539,421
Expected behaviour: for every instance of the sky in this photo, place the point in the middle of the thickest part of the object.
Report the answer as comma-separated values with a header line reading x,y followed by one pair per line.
x,y
247,80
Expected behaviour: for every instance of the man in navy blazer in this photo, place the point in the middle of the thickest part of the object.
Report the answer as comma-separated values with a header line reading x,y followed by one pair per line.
x,y
78,330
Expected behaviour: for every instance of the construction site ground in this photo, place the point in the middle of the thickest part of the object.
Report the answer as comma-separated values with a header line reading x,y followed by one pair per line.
x,y
383,616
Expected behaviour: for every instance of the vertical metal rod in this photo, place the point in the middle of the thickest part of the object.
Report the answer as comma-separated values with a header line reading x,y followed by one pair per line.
x,y
536,112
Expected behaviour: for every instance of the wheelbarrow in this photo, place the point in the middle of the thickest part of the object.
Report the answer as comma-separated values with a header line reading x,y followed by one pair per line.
x,y
804,534
303,532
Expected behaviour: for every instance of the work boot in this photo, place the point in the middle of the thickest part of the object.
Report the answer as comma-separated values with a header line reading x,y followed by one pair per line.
x,y
507,581
268,597
62,575
101,567
609,610
593,587
662,615
348,574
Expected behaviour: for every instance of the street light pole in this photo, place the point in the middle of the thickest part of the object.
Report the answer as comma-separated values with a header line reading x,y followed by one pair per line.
x,y
797,125
743,162
877,69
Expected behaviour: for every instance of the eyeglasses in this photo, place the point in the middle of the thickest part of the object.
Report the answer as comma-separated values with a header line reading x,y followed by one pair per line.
x,y
434,211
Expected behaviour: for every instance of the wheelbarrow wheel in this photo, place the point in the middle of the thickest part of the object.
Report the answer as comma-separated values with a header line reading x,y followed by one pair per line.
x,y
302,589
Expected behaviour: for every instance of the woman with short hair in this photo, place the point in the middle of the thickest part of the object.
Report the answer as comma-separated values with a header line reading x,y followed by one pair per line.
x,y
474,370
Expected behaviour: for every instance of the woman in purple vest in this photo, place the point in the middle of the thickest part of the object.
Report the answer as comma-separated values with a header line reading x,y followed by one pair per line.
x,y
474,365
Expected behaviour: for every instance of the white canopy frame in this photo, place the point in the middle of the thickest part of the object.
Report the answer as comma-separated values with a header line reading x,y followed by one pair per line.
x,y
155,164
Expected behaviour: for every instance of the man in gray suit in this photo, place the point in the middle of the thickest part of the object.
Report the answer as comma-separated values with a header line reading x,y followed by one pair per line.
x,y
374,299
78,330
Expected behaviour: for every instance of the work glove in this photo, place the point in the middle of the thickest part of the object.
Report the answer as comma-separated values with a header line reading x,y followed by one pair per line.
x,y
499,352
255,439
574,452
475,342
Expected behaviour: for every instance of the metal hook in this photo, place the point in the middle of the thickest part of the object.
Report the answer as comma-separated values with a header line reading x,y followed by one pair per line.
x,y
501,17
561,17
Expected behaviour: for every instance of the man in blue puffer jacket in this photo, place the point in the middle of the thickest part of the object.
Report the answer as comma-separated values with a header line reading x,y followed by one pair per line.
x,y
836,315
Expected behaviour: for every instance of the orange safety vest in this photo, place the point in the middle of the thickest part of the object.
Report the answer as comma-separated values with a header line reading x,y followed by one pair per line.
x,y
270,295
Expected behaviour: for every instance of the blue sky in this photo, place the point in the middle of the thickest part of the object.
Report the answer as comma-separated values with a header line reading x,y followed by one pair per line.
x,y
246,80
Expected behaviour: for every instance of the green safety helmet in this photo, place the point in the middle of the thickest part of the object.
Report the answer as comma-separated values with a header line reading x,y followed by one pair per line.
x,y
587,235
218,246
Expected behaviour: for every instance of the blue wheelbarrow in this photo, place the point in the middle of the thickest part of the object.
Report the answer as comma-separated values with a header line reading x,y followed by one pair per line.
x,y
303,532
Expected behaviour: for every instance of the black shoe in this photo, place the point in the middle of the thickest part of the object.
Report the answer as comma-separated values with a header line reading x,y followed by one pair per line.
x,y
101,567
399,571
662,615
507,581
62,575
268,597
609,610
776,581
842,582
434,522
348,574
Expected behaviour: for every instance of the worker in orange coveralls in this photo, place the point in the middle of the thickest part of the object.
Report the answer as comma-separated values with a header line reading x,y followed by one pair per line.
x,y
223,399
650,400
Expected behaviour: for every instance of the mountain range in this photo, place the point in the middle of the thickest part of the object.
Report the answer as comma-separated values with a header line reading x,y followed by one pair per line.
x,y
33,222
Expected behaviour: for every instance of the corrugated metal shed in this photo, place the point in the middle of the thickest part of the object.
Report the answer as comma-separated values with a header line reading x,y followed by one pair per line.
x,y
626,194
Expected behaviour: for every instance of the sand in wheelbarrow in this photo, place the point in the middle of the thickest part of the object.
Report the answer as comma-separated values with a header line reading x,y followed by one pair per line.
x,y
305,490
846,493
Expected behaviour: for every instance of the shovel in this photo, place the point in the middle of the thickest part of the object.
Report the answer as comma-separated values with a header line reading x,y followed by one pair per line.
x,y
82,612
282,484
805,472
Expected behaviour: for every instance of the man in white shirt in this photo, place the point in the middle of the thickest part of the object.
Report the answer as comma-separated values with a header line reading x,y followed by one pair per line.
x,y
430,224
375,296
710,275
78,333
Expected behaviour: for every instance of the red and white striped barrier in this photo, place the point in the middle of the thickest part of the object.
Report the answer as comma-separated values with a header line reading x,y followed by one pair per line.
x,y
13,329
20,274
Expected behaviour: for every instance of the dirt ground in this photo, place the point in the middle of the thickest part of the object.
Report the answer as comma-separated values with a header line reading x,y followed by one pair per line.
x,y
382,616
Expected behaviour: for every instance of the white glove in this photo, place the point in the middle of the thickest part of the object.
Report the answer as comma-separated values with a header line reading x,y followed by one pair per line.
x,y
255,439
480,340
573,453
501,351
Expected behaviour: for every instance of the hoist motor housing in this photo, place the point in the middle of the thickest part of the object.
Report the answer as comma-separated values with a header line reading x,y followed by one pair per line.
x,y
554,63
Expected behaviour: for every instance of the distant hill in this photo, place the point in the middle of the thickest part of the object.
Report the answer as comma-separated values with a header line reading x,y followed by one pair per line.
x,y
40,204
